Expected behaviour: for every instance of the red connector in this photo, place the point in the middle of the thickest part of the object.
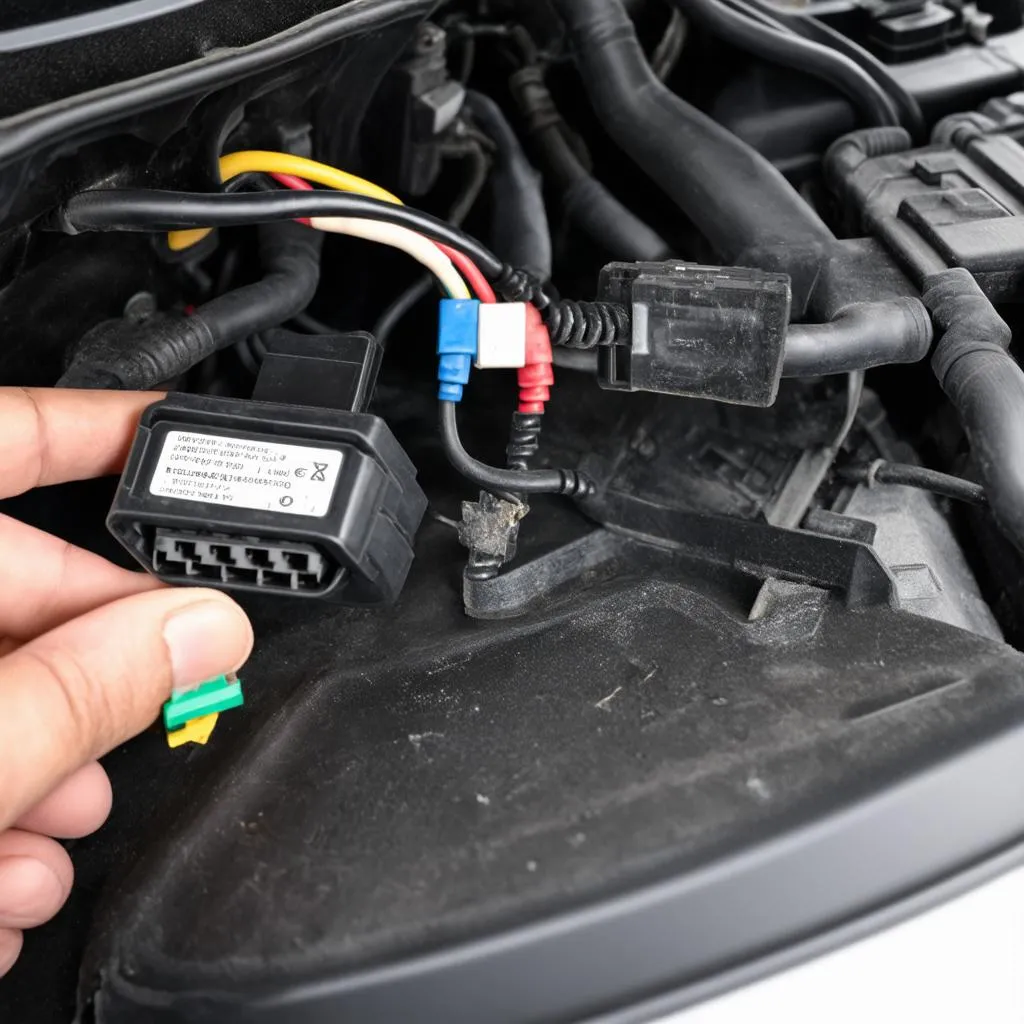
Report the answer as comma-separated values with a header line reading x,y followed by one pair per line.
x,y
537,376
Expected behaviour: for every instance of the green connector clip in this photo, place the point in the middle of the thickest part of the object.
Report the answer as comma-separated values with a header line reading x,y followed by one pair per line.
x,y
220,694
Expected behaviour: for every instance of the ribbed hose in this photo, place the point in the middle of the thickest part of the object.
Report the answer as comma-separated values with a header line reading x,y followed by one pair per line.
x,y
136,355
736,198
986,387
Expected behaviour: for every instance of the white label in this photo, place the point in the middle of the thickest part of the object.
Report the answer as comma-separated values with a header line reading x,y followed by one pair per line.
x,y
247,474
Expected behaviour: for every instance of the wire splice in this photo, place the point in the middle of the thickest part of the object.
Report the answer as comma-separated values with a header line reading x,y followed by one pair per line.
x,y
456,346
501,336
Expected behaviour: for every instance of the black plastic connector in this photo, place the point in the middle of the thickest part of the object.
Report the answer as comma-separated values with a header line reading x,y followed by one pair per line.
x,y
702,332
276,496
330,371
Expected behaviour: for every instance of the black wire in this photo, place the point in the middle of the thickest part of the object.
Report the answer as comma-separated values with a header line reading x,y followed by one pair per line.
x,y
490,478
153,210
907,475
758,34
400,306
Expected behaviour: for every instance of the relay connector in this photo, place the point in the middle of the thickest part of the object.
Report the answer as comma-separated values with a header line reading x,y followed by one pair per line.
x,y
274,497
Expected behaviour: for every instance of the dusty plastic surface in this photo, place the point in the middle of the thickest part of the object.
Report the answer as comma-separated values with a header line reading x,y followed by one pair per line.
x,y
702,332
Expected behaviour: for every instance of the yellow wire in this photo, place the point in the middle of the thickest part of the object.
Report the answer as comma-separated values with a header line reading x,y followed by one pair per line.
x,y
268,162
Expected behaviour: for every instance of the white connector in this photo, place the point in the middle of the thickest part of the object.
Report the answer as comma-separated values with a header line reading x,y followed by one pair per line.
x,y
501,336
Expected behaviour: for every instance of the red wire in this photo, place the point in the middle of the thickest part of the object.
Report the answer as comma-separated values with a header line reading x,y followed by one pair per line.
x,y
535,379
293,181
471,272
465,266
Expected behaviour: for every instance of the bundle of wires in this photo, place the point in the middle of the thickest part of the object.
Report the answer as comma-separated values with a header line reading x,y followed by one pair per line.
x,y
366,211
450,266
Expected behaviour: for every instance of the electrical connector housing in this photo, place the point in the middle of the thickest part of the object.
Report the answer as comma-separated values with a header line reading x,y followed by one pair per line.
x,y
501,336
269,498
702,332
456,345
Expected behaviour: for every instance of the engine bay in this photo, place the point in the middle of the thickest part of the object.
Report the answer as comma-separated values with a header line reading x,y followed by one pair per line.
x,y
720,574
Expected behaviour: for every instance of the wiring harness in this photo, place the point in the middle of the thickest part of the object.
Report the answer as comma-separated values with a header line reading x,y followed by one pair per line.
x,y
474,326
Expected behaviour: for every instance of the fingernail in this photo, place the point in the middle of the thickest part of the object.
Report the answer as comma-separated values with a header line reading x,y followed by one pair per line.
x,y
205,640
10,947
30,893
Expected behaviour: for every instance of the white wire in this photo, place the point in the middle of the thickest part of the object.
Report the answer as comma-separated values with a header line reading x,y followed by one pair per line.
x,y
418,246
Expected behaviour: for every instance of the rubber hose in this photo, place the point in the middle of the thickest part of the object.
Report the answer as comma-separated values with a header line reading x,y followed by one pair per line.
x,y
592,208
787,49
490,478
709,173
849,151
862,335
911,116
986,387
907,475
519,221
141,354
584,199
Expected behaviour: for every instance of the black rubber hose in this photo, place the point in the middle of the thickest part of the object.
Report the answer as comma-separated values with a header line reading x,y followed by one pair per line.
x,y
592,208
911,116
490,478
519,220
141,354
986,387
734,196
776,45
155,210
906,475
584,199
862,335
290,258
849,151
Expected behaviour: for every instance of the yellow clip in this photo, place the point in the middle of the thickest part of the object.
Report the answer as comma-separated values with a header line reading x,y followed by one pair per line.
x,y
199,730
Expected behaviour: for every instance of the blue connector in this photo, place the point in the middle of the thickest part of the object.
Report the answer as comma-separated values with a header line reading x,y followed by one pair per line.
x,y
456,345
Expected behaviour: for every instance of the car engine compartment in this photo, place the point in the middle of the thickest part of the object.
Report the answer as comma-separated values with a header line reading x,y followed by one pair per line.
x,y
697,637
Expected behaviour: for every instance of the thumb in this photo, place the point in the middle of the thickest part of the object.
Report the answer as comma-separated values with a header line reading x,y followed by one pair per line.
x,y
78,691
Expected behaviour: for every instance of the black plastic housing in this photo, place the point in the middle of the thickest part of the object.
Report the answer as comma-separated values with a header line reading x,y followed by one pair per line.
x,y
956,205
210,459
702,332
330,371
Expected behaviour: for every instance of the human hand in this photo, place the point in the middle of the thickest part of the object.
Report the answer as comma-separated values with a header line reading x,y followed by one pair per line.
x,y
88,651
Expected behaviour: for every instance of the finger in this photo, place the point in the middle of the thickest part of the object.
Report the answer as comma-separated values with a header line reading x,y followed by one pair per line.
x,y
78,691
10,947
49,581
49,435
35,879
78,806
